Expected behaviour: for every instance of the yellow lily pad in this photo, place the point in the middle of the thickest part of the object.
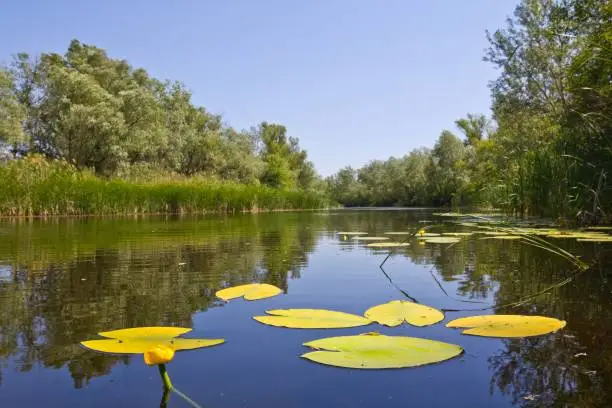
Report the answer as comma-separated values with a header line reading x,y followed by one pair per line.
x,y
251,291
458,234
507,325
352,233
600,239
371,238
494,233
388,244
424,235
397,312
311,319
375,351
398,233
442,240
139,340
506,237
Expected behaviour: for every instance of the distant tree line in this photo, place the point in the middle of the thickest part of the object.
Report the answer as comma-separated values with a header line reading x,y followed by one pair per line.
x,y
102,114
546,150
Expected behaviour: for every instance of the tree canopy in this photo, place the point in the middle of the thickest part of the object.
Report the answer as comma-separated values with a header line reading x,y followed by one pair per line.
x,y
101,113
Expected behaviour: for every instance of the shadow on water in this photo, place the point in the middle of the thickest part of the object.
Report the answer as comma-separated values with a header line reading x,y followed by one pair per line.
x,y
62,281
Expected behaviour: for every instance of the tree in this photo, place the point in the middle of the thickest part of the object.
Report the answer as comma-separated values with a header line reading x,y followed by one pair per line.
x,y
447,168
12,113
474,127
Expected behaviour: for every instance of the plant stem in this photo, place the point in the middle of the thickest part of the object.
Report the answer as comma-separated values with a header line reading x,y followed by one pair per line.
x,y
165,377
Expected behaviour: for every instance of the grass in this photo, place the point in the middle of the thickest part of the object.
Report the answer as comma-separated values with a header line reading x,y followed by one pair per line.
x,y
38,187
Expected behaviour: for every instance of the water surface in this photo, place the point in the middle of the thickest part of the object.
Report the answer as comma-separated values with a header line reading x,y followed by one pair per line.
x,y
63,281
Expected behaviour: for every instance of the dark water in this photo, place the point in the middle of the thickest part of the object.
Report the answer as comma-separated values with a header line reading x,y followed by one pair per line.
x,y
62,281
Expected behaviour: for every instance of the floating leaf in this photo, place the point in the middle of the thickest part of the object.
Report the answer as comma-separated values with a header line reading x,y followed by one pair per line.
x,y
601,228
506,237
427,234
388,244
251,291
398,233
311,319
396,312
442,240
371,238
352,233
139,340
375,351
458,234
494,233
507,325
600,239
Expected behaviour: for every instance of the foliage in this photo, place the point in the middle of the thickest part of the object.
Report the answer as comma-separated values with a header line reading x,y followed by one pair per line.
x,y
35,186
397,312
251,291
139,340
376,351
507,325
547,148
103,115
311,319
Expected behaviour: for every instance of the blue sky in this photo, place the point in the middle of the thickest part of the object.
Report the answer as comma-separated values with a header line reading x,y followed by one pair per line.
x,y
355,80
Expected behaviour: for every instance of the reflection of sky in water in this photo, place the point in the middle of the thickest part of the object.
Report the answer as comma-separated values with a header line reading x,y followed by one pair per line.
x,y
6,273
77,277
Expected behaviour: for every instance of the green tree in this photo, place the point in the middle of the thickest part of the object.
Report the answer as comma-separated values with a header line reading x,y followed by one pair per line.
x,y
12,112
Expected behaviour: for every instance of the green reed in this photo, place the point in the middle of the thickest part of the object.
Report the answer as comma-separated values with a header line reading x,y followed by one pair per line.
x,y
38,187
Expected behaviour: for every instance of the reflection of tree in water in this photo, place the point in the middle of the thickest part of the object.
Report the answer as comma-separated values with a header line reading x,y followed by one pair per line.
x,y
58,296
572,367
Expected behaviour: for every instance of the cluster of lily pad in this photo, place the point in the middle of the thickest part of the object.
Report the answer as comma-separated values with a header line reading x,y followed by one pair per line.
x,y
365,351
369,350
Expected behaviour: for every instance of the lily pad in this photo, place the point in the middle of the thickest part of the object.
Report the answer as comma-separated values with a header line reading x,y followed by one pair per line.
x,y
458,234
600,239
494,233
311,319
376,351
397,312
398,233
388,244
506,237
507,325
423,235
139,340
371,238
442,240
352,233
251,291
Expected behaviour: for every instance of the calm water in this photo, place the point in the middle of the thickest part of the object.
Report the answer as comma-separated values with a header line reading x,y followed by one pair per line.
x,y
62,281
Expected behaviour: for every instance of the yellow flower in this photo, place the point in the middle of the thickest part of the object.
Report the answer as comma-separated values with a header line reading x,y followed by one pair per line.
x,y
421,232
158,355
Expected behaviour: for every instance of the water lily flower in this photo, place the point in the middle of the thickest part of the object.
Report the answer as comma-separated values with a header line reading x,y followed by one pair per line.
x,y
157,344
158,355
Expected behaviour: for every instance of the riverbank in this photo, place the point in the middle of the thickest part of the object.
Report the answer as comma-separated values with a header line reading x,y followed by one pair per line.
x,y
43,188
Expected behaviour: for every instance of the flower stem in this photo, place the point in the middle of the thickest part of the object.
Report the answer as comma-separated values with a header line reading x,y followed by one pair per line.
x,y
165,377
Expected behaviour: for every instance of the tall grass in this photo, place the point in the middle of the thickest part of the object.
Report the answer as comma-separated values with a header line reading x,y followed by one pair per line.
x,y
35,186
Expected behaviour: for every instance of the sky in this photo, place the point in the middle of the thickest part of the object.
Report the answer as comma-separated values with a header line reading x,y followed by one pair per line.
x,y
354,80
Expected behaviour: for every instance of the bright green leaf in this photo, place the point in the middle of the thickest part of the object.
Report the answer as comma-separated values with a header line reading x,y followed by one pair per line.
x,y
374,351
